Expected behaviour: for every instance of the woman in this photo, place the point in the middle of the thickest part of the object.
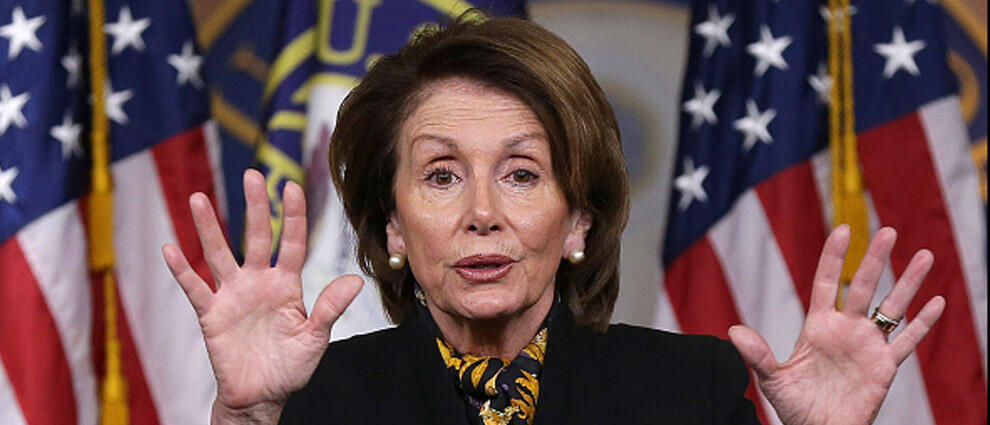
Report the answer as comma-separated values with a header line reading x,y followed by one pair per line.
x,y
481,169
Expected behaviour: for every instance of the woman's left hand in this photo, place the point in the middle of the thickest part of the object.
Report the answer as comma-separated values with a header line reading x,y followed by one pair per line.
x,y
843,364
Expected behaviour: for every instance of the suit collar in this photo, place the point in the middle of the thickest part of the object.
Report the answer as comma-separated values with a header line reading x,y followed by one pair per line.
x,y
436,387
555,385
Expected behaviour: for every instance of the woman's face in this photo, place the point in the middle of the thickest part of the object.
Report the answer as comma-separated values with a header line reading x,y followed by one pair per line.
x,y
479,214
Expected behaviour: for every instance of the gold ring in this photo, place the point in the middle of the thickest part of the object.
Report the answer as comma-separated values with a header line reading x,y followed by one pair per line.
x,y
885,323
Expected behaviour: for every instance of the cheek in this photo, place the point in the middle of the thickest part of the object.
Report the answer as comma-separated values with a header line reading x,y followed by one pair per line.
x,y
541,224
426,226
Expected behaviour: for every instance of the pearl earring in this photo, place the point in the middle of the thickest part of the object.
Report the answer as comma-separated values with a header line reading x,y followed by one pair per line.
x,y
396,261
576,256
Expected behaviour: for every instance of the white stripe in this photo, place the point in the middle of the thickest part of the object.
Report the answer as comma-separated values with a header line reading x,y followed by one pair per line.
x,y
757,276
163,324
958,178
10,411
821,169
54,246
665,318
211,134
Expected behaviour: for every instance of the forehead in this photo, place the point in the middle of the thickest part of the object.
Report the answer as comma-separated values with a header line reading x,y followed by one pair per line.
x,y
456,112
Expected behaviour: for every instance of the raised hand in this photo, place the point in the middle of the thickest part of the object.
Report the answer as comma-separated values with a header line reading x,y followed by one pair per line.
x,y
843,364
261,343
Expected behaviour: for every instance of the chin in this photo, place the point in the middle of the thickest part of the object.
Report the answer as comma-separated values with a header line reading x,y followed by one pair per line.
x,y
488,306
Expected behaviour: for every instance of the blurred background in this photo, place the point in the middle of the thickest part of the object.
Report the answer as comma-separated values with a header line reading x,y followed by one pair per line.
x,y
113,111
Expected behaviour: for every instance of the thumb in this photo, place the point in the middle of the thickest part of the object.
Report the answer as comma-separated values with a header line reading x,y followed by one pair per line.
x,y
754,350
333,300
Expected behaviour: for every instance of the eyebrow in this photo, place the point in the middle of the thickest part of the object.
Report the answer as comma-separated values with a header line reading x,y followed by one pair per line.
x,y
508,143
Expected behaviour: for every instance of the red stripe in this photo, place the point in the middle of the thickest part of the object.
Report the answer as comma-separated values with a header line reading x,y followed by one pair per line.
x,y
701,299
183,169
794,211
140,406
901,177
30,347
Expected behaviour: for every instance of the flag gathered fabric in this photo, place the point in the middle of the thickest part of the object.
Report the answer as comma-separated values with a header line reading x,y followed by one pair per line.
x,y
55,351
786,130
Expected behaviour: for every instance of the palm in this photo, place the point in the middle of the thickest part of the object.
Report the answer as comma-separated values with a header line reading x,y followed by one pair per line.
x,y
261,343
842,365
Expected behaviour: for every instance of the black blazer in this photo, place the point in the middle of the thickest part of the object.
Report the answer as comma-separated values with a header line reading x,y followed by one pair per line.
x,y
627,375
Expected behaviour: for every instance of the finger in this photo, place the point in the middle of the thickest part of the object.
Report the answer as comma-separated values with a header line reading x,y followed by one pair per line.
x,y
864,282
826,284
257,221
905,342
754,350
215,249
292,248
197,291
895,304
333,301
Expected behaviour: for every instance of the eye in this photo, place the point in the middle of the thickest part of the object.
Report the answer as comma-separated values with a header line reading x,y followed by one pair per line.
x,y
441,177
523,176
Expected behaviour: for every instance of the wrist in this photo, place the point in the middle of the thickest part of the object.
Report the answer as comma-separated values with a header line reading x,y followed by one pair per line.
x,y
266,413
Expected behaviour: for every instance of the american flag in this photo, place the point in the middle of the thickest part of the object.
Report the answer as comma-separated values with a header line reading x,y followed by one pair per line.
x,y
51,316
160,92
752,196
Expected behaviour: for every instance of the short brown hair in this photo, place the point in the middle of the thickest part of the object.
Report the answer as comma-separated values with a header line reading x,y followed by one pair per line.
x,y
543,71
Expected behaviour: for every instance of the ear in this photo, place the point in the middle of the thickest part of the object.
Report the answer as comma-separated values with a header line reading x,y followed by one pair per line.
x,y
396,243
581,222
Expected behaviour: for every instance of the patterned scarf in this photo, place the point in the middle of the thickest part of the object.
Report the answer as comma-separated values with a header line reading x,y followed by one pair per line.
x,y
502,394
495,393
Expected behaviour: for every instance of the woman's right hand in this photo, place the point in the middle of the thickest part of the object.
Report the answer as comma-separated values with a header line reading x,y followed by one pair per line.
x,y
261,343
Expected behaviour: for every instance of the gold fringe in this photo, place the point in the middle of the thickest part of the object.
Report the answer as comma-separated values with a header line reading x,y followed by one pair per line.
x,y
113,389
848,201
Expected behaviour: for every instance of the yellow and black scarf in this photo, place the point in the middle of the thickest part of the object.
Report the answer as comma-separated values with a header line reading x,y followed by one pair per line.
x,y
496,392
502,394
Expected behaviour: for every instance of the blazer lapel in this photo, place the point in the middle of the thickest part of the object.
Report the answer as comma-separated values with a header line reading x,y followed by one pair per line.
x,y
437,389
555,385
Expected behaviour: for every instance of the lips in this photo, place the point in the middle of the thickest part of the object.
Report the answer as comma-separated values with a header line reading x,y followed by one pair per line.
x,y
484,267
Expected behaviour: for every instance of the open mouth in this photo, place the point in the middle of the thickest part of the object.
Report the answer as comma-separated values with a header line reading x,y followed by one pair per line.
x,y
484,267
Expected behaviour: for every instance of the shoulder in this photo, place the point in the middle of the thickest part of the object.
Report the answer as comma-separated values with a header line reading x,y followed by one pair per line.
x,y
653,345
361,356
652,373
349,371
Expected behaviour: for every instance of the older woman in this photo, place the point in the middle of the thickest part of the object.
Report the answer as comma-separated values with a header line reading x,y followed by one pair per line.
x,y
481,169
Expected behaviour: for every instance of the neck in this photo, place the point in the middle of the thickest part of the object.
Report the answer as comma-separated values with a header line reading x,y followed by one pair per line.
x,y
503,337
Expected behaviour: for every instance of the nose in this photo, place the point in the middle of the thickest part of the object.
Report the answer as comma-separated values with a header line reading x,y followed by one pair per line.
x,y
484,214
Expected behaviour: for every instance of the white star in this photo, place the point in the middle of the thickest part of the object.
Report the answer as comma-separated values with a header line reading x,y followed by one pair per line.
x,y
187,64
754,125
822,83
21,32
689,184
701,106
715,30
10,109
114,103
768,51
68,134
6,180
829,16
72,62
126,31
899,54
